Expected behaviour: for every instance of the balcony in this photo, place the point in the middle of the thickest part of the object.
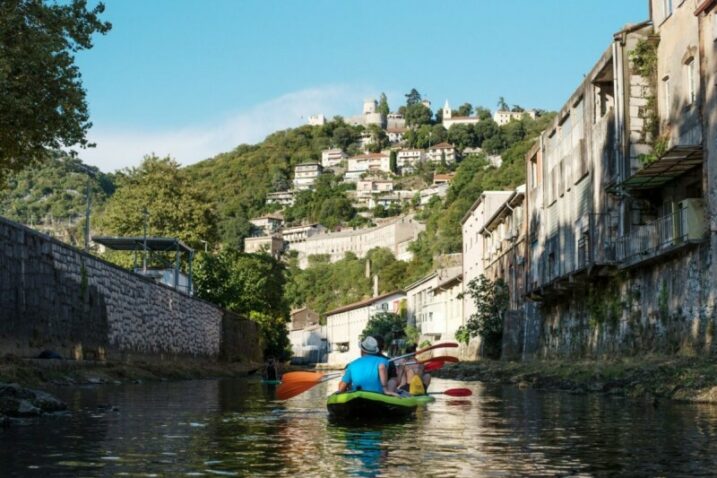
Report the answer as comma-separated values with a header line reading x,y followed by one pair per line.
x,y
669,233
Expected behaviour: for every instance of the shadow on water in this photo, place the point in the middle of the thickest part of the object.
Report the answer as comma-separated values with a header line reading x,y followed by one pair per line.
x,y
237,428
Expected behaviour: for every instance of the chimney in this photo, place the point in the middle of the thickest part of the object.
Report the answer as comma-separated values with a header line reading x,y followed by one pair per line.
x,y
375,285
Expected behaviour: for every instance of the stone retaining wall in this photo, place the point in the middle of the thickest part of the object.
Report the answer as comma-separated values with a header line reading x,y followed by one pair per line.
x,y
53,296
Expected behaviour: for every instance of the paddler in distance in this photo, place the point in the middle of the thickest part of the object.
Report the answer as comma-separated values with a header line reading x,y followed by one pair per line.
x,y
368,372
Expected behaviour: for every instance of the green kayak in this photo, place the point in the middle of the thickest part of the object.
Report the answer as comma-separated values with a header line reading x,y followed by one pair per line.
x,y
373,406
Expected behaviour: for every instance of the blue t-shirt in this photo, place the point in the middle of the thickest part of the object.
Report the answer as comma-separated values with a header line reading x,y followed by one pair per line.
x,y
362,373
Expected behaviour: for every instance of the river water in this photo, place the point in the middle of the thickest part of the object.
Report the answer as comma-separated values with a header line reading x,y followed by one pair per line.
x,y
236,428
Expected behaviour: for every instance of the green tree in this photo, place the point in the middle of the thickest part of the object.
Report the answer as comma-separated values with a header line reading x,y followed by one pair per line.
x,y
251,285
388,325
383,105
42,99
462,135
483,113
343,137
413,97
418,114
491,301
464,110
485,129
393,161
502,104
175,206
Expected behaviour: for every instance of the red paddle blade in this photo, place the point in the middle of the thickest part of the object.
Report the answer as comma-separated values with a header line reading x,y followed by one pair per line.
x,y
442,358
289,390
301,377
458,392
432,365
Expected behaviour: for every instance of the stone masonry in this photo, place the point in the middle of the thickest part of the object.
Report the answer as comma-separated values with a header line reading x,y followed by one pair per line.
x,y
53,296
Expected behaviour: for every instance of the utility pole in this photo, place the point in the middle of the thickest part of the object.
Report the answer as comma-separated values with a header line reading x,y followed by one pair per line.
x,y
90,174
145,213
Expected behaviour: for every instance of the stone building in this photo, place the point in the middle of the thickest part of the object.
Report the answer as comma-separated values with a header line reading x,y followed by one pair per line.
x,y
294,234
619,253
395,135
272,245
394,235
268,223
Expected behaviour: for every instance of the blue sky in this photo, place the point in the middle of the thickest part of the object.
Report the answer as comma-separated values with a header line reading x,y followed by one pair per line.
x,y
193,78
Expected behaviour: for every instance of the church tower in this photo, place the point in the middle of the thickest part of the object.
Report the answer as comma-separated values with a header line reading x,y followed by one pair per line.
x,y
446,111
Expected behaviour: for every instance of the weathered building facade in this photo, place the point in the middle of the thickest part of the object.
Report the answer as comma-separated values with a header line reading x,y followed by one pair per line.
x,y
619,255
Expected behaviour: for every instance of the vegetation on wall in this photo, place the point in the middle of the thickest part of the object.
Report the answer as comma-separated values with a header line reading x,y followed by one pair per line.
x,y
491,301
644,62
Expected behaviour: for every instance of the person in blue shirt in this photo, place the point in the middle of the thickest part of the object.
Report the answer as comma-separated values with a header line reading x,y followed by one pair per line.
x,y
369,372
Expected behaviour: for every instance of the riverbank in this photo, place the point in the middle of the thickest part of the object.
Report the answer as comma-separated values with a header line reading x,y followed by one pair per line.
x,y
687,379
39,373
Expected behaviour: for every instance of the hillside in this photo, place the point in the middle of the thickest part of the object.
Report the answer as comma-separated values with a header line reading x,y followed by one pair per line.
x,y
53,195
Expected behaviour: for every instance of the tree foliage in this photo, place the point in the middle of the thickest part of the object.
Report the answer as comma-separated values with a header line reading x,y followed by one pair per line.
x,y
413,97
418,114
387,325
383,108
251,285
491,301
175,206
42,100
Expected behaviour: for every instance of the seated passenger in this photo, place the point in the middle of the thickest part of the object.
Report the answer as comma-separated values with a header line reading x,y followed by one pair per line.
x,y
412,378
369,372
392,374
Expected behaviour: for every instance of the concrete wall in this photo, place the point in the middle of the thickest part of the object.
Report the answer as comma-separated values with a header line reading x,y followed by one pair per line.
x,y
53,296
665,308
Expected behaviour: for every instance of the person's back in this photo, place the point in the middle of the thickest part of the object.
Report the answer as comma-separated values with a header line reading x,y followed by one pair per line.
x,y
363,373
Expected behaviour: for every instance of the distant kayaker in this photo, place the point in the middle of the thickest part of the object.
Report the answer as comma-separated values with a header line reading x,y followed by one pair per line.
x,y
369,372
270,373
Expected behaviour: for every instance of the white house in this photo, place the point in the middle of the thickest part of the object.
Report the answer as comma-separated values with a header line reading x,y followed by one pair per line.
x,y
408,158
442,313
395,135
345,325
305,175
268,223
292,235
503,117
285,198
439,190
357,165
332,157
368,187
472,224
317,120
441,151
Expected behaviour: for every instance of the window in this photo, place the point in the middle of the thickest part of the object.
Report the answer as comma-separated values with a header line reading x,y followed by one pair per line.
x,y
691,81
666,93
666,8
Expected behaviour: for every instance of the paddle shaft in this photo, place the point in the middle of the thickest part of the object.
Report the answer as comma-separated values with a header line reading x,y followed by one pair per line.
x,y
432,347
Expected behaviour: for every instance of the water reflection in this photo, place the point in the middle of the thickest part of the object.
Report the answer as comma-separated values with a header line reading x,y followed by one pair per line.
x,y
236,428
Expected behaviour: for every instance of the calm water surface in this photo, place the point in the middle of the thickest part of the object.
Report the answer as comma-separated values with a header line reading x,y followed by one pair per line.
x,y
236,428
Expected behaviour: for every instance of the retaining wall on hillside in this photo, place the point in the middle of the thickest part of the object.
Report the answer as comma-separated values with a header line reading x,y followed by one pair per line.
x,y
53,296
